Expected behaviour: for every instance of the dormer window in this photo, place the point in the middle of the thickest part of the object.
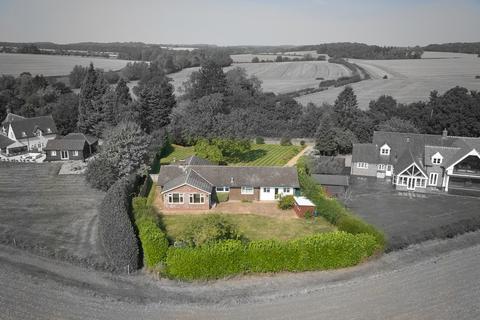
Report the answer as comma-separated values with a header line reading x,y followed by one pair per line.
x,y
49,130
24,134
385,150
437,158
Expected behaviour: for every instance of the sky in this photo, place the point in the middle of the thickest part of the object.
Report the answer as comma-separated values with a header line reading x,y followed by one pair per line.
x,y
241,22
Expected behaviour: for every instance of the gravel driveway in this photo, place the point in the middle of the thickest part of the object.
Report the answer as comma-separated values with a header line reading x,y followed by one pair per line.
x,y
408,217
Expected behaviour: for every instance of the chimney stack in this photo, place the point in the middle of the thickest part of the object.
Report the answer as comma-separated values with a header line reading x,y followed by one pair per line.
x,y
444,133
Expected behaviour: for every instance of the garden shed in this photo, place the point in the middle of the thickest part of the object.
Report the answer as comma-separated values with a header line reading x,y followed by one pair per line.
x,y
302,206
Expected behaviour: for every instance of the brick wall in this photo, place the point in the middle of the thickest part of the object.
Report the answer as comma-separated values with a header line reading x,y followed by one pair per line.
x,y
371,171
186,205
235,194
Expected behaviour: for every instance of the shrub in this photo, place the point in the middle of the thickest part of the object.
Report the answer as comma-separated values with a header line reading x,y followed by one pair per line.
x,y
116,229
354,225
477,77
154,241
259,140
317,252
222,196
285,141
302,143
208,230
385,77
286,202
208,262
101,173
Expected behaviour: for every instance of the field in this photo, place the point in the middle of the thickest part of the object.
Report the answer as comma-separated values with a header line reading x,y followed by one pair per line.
x,y
47,213
52,65
280,77
247,57
408,80
259,155
254,227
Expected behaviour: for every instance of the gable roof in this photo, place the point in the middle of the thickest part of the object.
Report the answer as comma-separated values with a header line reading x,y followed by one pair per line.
x,y
189,177
230,176
365,152
80,136
193,161
65,144
29,126
12,117
5,141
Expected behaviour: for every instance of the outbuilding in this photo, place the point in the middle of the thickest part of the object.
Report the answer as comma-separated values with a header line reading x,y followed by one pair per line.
x,y
302,206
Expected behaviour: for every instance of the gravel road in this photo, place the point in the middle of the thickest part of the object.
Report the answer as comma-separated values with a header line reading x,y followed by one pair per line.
x,y
433,280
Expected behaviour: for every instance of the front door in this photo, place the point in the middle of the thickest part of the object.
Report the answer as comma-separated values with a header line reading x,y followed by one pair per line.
x,y
411,184
276,193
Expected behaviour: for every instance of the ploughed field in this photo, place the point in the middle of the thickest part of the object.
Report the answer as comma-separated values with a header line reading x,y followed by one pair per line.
x,y
55,215
280,77
259,155
52,65
409,80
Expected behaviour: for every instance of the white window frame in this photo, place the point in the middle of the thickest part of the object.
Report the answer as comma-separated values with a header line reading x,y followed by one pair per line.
x,y
362,165
433,179
222,189
53,153
62,153
180,198
266,189
247,190
75,153
286,190
381,167
201,198
436,160
385,152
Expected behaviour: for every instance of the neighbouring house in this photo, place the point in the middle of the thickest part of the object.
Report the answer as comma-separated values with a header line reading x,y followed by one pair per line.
x,y
302,206
74,146
335,185
27,134
184,185
421,162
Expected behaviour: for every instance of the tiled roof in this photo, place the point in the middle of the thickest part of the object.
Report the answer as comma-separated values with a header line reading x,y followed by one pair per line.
x,y
5,141
80,136
191,178
365,152
65,144
26,127
236,176
12,117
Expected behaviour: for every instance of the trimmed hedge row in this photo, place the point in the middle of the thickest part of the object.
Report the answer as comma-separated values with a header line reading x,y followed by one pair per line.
x,y
116,229
154,241
317,252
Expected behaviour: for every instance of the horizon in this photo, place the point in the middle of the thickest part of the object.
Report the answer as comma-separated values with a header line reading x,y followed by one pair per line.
x,y
269,23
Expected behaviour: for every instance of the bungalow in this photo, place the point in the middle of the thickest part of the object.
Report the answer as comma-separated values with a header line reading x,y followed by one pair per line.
x,y
74,146
183,185
27,134
335,185
421,162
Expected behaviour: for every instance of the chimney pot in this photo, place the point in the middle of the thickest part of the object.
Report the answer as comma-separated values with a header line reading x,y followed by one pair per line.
x,y
444,133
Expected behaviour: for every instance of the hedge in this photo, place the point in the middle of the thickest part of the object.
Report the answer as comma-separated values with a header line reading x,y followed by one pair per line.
x,y
116,229
154,241
317,252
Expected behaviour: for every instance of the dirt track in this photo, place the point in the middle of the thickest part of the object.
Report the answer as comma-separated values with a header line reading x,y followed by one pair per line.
x,y
435,280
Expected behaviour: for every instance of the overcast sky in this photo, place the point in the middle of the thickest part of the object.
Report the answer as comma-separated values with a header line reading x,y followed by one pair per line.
x,y
241,22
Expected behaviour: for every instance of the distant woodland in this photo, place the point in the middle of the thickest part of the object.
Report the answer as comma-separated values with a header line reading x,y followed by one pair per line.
x,y
460,47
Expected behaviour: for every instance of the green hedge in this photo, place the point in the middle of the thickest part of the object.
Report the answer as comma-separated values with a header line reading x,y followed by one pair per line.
x,y
317,252
154,241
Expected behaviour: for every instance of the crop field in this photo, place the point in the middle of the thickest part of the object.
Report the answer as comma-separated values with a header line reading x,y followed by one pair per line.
x,y
52,65
280,77
259,155
47,213
247,57
408,80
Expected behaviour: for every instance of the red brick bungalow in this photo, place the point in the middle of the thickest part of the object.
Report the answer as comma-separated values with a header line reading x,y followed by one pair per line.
x,y
185,186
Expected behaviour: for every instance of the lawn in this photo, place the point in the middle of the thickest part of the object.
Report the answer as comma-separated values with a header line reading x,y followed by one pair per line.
x,y
254,227
259,155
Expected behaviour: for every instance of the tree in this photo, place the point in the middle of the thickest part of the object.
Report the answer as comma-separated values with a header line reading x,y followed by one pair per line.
x,y
90,111
208,80
346,109
255,60
324,136
204,149
122,92
279,59
124,152
76,76
382,109
65,113
397,125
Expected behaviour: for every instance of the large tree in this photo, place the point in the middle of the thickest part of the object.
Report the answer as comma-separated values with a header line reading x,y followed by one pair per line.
x,y
346,109
90,107
208,80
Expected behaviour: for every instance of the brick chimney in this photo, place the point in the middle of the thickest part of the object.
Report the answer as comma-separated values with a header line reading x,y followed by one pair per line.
x,y
444,133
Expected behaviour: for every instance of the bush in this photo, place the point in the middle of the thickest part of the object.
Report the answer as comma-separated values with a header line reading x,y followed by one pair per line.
x,y
101,173
385,77
116,229
208,230
286,202
259,140
154,241
222,196
354,225
317,252
285,141
302,143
